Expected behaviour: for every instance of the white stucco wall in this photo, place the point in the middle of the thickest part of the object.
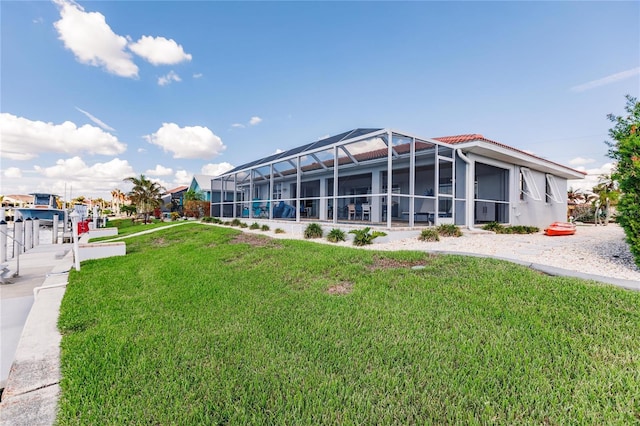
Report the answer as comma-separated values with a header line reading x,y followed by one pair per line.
x,y
541,212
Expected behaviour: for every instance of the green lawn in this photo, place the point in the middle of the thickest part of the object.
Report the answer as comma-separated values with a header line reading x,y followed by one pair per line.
x,y
196,327
128,227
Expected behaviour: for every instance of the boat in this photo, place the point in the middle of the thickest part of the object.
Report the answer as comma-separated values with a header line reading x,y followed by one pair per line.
x,y
560,228
45,206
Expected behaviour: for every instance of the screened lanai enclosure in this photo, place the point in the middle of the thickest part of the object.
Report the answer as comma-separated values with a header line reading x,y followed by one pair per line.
x,y
376,176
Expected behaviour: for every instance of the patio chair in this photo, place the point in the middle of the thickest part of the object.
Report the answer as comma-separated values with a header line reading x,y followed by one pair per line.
x,y
366,211
278,210
351,211
255,206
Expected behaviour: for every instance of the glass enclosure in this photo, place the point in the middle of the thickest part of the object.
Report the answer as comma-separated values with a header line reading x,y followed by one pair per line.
x,y
373,176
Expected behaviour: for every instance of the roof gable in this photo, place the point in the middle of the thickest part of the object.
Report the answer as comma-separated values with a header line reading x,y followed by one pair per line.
x,y
201,183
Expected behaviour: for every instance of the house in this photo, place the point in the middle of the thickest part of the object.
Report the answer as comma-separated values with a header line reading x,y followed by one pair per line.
x,y
390,178
201,183
211,189
172,200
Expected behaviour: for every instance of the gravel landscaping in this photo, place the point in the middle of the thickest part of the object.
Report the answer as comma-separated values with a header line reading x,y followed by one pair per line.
x,y
597,250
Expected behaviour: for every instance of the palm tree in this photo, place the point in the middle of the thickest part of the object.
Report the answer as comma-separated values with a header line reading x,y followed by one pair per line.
x,y
146,195
575,196
117,198
607,194
193,195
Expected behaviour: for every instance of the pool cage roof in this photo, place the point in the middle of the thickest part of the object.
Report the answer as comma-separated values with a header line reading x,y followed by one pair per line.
x,y
313,146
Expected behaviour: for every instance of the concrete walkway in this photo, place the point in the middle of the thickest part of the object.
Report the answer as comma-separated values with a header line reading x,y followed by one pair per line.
x,y
33,351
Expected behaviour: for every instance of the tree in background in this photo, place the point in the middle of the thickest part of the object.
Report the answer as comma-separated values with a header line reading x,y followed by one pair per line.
x,y
606,196
128,209
575,196
194,204
117,200
145,194
625,150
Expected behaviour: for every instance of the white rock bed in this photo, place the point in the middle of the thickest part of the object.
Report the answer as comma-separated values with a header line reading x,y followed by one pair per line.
x,y
597,250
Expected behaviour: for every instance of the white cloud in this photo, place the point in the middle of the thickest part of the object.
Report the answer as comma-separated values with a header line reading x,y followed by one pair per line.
x,y
159,171
613,78
278,151
141,150
24,139
215,169
73,174
197,75
92,41
187,142
159,50
167,79
579,161
96,120
255,120
592,177
13,173
75,167
183,177
38,20
237,126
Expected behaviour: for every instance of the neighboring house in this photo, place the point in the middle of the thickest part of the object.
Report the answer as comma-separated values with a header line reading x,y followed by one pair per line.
x,y
211,188
17,200
9,202
202,183
391,178
172,200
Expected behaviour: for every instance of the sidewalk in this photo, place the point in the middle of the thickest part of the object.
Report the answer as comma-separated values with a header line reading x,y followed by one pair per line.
x,y
30,340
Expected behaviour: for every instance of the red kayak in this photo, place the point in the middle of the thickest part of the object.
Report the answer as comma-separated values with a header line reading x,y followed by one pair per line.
x,y
560,228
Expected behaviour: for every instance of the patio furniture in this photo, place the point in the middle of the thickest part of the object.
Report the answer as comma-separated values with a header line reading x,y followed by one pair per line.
x,y
426,209
351,211
366,211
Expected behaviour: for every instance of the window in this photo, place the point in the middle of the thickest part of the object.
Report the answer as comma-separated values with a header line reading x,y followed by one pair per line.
x,y
552,193
528,186
277,191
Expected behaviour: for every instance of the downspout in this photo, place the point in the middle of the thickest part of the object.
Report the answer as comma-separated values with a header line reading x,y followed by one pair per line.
x,y
470,189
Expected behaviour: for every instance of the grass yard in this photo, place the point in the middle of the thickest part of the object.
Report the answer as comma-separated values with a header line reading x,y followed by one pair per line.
x,y
207,325
128,227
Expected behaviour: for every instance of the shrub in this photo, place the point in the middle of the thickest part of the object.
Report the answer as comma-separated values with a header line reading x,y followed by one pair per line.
x,y
429,234
365,236
336,235
625,151
243,225
227,223
236,222
254,225
279,231
264,228
493,226
175,216
523,229
449,230
584,212
515,229
313,230
209,219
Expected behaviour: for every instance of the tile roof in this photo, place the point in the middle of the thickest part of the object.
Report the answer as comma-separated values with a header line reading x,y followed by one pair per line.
x,y
474,137
177,189
462,138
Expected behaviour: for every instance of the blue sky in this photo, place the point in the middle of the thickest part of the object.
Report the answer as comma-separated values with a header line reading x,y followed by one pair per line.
x,y
93,92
